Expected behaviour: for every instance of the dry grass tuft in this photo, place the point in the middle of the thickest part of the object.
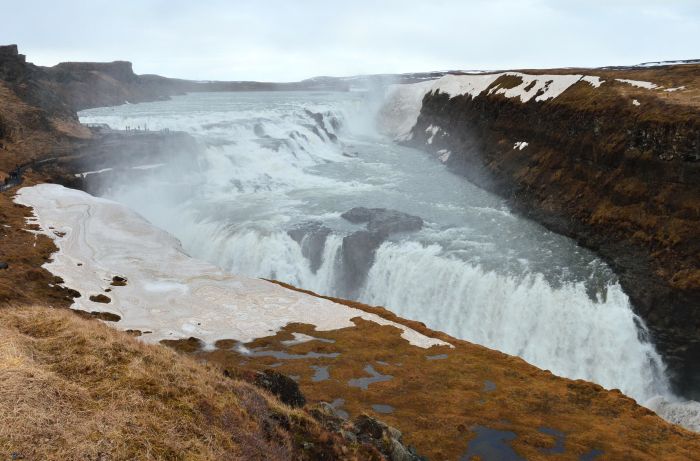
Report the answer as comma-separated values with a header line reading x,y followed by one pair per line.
x,y
74,389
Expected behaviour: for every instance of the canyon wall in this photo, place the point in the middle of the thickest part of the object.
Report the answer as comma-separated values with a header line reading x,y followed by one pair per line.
x,y
612,160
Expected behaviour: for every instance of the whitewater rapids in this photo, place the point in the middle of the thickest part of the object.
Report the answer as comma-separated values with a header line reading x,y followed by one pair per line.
x,y
269,162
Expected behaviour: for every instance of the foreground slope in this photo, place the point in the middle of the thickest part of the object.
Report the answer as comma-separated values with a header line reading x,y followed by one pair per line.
x,y
430,386
74,389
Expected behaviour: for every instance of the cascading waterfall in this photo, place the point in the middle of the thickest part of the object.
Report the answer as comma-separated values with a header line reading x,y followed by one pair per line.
x,y
272,161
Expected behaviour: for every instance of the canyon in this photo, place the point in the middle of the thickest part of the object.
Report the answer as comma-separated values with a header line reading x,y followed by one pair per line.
x,y
586,163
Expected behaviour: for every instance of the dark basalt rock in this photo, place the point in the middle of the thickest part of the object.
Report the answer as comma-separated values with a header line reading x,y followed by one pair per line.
x,y
118,281
357,258
311,236
100,298
383,220
359,247
285,388
4,265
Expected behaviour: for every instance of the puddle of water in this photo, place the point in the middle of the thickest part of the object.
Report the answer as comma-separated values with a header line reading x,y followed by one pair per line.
x,y
489,386
375,377
591,455
559,438
491,445
321,373
281,355
275,365
384,409
436,357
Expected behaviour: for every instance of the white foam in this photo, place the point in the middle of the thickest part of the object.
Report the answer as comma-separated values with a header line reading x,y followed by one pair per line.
x,y
169,293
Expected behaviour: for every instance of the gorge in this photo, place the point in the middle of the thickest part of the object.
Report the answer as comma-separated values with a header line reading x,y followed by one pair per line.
x,y
360,195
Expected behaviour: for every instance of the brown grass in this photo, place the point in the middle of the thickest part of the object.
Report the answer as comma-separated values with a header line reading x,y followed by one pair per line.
x,y
73,389
437,401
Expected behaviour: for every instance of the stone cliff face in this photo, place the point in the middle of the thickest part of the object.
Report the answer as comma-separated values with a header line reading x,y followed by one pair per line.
x,y
616,167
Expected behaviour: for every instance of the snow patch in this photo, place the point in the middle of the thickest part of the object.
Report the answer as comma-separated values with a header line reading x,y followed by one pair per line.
x,y
635,102
540,87
520,145
678,88
433,130
169,293
638,83
87,173
403,102
444,155
594,81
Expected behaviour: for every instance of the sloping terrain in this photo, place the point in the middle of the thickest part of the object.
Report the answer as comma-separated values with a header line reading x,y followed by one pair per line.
x,y
360,359
609,157
74,389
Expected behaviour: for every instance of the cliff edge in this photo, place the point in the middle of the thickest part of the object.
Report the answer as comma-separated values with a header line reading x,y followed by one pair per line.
x,y
610,157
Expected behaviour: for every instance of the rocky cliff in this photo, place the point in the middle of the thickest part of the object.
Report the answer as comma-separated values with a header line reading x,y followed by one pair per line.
x,y
608,157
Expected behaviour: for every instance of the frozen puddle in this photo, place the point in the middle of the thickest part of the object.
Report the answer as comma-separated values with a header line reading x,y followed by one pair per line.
x,y
169,293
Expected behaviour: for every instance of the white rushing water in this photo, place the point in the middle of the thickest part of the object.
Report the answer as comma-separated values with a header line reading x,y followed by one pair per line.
x,y
273,162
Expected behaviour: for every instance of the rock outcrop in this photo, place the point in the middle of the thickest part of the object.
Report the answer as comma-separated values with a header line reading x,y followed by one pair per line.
x,y
613,163
357,252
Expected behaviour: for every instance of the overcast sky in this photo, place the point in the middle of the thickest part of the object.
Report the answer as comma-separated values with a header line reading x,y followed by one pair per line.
x,y
296,39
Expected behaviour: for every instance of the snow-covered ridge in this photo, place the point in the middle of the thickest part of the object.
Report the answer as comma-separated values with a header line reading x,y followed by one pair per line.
x,y
403,102
638,83
168,293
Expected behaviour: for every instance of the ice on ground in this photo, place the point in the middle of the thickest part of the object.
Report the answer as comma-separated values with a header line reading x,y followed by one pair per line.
x,y
520,145
638,83
169,293
594,81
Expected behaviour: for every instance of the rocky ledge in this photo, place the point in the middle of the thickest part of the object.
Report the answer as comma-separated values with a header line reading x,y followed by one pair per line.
x,y
608,157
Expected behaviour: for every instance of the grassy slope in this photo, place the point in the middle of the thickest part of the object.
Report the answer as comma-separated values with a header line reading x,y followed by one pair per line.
x,y
440,400
75,389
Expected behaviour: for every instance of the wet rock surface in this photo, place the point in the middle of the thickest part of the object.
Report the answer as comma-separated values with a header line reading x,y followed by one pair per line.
x,y
311,237
383,220
359,248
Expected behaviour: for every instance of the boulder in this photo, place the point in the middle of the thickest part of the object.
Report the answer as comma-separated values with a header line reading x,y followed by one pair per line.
x,y
311,237
383,220
284,387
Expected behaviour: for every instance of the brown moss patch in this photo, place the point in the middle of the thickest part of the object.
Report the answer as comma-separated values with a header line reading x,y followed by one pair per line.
x,y
436,401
